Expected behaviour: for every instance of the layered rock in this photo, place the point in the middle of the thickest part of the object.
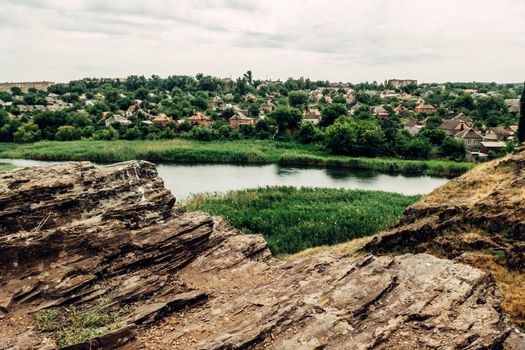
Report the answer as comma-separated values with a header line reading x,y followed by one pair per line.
x,y
73,235
478,218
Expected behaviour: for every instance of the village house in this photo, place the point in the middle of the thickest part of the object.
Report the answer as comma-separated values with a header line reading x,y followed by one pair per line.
x,y
494,146
267,107
471,138
513,105
315,96
228,96
380,111
117,118
161,120
413,126
250,97
327,99
499,133
241,119
131,111
199,119
425,108
312,116
455,125
400,83
401,110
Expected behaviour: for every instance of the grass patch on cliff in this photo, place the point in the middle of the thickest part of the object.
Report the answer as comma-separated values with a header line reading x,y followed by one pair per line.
x,y
293,219
6,167
235,152
73,325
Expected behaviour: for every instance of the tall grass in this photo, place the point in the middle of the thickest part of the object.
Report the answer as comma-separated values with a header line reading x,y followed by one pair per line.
x,y
6,167
293,219
236,152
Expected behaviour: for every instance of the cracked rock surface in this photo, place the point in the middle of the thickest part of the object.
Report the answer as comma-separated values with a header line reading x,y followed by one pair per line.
x,y
71,235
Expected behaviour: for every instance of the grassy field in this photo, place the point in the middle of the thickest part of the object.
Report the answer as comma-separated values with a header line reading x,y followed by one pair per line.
x,y
235,152
294,219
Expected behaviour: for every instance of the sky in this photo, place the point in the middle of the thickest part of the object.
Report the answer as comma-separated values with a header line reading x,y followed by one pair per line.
x,y
336,40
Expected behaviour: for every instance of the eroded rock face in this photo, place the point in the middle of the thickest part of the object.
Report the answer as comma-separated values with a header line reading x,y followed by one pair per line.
x,y
479,219
72,235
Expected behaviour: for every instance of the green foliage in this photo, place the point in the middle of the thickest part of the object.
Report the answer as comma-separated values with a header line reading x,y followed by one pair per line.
x,y
66,133
298,99
330,113
286,118
418,147
354,137
27,133
6,167
235,152
308,133
294,219
73,325
453,148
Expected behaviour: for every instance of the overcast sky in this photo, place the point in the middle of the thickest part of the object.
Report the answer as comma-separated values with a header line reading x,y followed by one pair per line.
x,y
337,40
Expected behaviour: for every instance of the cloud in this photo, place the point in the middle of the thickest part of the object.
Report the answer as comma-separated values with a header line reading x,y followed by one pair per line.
x,y
432,40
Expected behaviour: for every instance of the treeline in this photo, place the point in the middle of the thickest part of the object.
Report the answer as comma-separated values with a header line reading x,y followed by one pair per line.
x,y
362,135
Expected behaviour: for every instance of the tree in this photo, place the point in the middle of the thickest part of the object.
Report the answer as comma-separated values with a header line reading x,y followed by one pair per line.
x,y
298,99
66,133
453,148
308,133
248,76
27,133
16,91
355,137
330,113
418,147
286,118
521,123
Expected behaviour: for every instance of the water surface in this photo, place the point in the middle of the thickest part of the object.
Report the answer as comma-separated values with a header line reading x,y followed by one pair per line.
x,y
187,179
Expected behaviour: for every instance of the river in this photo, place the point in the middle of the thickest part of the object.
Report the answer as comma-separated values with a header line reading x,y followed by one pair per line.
x,y
184,179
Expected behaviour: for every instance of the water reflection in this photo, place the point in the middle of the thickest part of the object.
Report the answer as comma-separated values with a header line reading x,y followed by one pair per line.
x,y
184,179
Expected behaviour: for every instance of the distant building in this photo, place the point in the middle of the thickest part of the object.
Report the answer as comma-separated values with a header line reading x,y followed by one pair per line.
x,y
161,120
25,86
199,119
413,126
495,146
117,119
499,133
455,125
267,107
381,112
470,138
239,119
313,116
400,83
425,108
513,105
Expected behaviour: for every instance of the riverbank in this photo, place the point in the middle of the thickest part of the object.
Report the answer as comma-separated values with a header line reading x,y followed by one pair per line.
x,y
292,219
233,152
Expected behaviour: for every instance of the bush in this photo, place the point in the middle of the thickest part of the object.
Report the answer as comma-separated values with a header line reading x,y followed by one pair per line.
x,y
453,148
27,133
201,134
308,133
66,133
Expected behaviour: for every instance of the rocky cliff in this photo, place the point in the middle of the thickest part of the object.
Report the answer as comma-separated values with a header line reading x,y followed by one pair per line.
x,y
99,258
479,219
